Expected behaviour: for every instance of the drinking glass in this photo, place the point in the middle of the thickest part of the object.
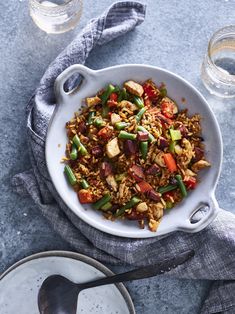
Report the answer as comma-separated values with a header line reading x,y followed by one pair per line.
x,y
55,16
218,67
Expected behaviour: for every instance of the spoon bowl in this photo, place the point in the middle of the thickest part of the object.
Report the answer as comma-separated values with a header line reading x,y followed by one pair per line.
x,y
55,289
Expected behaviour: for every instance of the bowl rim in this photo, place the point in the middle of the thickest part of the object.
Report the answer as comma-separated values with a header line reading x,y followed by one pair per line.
x,y
107,229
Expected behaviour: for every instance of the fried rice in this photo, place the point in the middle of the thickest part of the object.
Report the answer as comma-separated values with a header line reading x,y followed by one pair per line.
x,y
132,154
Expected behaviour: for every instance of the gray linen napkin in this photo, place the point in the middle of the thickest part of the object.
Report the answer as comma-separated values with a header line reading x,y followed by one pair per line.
x,y
214,246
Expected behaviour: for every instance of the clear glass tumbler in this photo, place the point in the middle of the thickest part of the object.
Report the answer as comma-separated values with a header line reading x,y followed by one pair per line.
x,y
218,67
55,16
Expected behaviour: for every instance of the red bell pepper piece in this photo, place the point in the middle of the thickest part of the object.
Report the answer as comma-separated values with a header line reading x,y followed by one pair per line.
x,y
147,102
150,91
170,162
190,183
106,133
85,196
113,96
112,103
168,108
169,195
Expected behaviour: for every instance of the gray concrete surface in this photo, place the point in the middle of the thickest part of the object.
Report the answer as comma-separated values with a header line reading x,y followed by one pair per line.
x,y
174,36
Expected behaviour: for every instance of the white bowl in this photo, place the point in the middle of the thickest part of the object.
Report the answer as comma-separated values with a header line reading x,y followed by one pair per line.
x,y
67,103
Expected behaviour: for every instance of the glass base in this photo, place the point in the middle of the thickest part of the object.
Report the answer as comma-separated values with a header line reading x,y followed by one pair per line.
x,y
215,85
56,28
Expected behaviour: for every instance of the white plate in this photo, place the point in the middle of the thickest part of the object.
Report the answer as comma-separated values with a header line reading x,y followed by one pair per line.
x,y
20,284
67,103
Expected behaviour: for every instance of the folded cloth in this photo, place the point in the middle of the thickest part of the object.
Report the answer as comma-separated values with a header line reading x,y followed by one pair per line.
x,y
214,246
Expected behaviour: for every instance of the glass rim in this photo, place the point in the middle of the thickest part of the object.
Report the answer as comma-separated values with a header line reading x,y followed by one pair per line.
x,y
48,8
216,36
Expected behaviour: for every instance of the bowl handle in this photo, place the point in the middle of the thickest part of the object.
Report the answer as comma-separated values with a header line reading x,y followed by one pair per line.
x,y
60,93
213,209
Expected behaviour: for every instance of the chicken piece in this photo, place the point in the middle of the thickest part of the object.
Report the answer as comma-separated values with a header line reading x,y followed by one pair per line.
x,y
189,173
125,104
115,118
121,190
187,153
157,210
112,182
200,165
92,101
112,148
153,225
134,88
178,150
142,207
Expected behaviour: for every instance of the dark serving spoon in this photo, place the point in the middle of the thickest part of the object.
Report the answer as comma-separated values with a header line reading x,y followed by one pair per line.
x,y
58,295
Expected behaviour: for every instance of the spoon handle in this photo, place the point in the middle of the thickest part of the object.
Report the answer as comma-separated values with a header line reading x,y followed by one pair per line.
x,y
143,272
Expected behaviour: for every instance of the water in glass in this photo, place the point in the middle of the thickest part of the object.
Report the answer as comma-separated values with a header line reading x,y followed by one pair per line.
x,y
55,16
